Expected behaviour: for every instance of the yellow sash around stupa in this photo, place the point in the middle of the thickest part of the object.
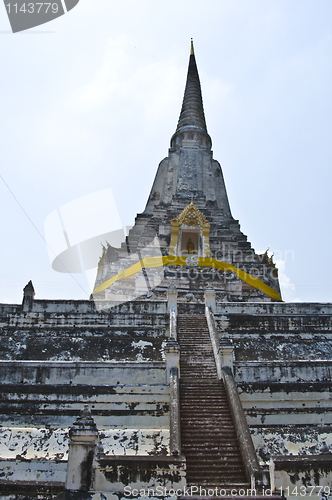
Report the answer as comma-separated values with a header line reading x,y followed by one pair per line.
x,y
189,261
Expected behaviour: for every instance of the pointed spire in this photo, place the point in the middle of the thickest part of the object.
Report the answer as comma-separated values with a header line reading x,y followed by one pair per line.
x,y
192,112
192,53
192,118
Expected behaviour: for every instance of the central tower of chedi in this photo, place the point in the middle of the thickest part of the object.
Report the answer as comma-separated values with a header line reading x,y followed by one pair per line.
x,y
186,233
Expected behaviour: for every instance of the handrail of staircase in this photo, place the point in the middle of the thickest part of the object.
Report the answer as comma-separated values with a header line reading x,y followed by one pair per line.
x,y
214,339
175,436
172,324
247,449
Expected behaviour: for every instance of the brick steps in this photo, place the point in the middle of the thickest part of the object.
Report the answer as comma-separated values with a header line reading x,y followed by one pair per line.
x,y
215,465
221,450
208,436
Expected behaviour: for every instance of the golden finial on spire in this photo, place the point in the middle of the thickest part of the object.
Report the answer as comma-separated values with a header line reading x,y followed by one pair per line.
x,y
192,53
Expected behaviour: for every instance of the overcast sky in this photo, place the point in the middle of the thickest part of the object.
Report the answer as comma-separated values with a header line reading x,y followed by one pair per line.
x,y
90,101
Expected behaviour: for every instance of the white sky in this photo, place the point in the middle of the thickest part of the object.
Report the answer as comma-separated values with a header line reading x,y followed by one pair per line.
x,y
89,102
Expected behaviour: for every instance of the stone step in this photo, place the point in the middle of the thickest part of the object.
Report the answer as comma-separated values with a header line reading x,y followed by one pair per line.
x,y
202,371
210,434
222,478
198,437
224,418
210,427
218,475
216,399
217,402
226,492
223,413
198,366
195,356
217,418
197,397
207,397
219,472
210,443
217,405
198,361
214,385
217,455
197,343
217,479
209,394
202,374
207,411
205,408
194,335
213,399
190,336
214,388
203,399
214,459
230,463
207,391
214,447
210,440
210,437
208,384
198,447
201,406
237,485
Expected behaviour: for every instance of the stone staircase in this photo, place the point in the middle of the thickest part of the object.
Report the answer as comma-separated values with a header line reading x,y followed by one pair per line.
x,y
208,436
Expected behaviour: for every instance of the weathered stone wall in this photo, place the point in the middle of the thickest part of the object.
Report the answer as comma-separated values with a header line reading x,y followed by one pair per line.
x,y
308,476
127,474
63,354
283,369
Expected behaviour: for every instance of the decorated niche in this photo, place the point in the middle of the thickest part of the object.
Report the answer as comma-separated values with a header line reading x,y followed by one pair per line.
x,y
190,233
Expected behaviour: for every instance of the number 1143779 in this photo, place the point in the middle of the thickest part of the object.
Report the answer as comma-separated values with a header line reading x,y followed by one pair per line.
x,y
304,491
33,8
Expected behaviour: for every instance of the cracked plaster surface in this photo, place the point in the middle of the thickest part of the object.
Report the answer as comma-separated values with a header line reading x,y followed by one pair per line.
x,y
28,443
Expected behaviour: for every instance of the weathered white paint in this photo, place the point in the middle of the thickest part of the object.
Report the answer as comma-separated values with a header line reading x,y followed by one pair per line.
x,y
33,470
